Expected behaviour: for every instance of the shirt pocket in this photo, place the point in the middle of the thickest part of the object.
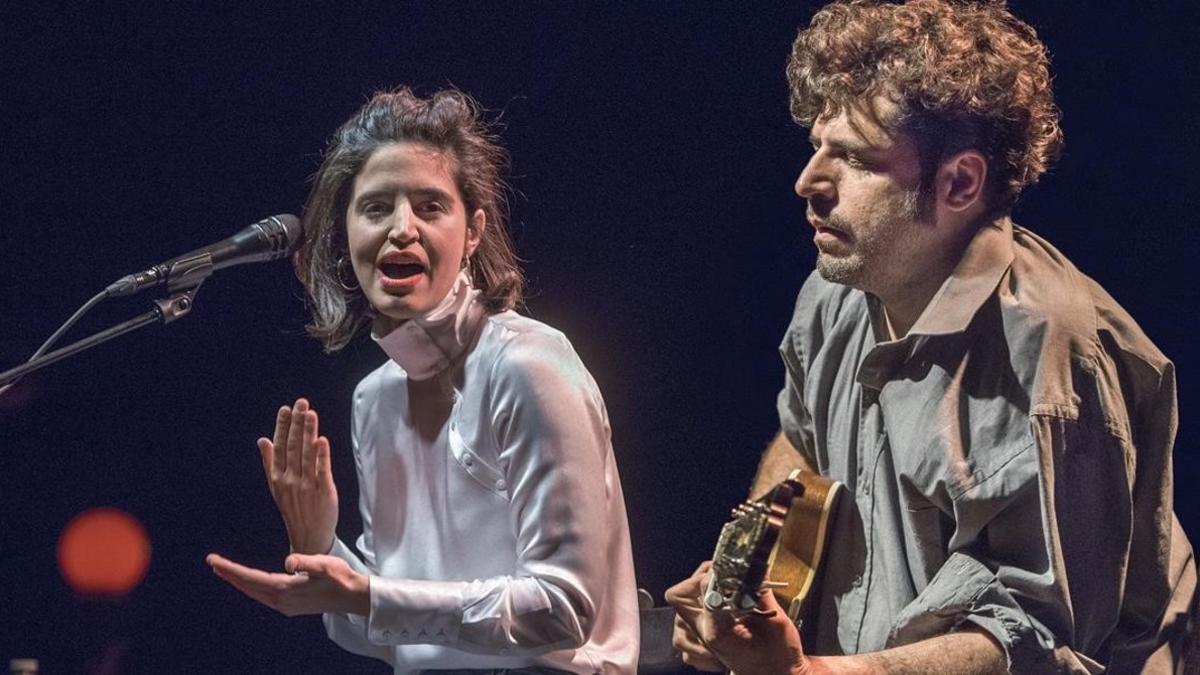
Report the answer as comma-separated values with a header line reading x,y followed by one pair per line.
x,y
480,470
998,473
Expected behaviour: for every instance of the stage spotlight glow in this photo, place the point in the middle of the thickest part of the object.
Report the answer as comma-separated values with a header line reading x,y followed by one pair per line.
x,y
103,552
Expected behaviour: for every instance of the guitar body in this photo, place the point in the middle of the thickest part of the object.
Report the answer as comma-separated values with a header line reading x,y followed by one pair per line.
x,y
799,551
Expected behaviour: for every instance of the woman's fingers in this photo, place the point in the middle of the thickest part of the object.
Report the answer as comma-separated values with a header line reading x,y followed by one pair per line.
x,y
283,420
236,570
301,478
308,456
324,469
247,589
256,584
249,578
289,594
295,437
293,449
313,565
266,451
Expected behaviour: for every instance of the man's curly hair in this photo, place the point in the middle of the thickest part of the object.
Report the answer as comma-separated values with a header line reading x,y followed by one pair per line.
x,y
964,74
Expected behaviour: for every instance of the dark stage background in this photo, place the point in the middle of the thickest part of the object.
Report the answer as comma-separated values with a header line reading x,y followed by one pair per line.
x,y
653,159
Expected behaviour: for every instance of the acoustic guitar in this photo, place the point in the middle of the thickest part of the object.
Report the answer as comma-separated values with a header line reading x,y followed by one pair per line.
x,y
776,542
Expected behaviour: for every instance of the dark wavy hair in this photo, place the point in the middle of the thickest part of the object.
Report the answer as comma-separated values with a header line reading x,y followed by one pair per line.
x,y
964,75
448,121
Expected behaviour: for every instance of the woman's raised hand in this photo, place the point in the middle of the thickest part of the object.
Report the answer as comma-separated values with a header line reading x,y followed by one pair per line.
x,y
296,462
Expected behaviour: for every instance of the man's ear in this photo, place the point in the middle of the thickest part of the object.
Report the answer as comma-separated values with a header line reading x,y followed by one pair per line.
x,y
960,181
475,231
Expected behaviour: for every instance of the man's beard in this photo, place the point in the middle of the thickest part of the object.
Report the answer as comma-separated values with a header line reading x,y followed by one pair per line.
x,y
872,241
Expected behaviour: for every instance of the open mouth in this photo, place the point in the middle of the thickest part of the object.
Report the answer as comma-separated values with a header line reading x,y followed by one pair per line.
x,y
400,271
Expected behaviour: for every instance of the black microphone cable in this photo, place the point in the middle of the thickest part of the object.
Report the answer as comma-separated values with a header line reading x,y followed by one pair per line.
x,y
62,330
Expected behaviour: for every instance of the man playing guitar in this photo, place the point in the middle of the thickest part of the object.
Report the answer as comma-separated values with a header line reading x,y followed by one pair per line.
x,y
1003,427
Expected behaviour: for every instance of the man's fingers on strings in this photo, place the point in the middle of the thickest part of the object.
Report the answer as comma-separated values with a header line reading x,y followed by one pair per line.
x,y
768,604
687,615
685,592
684,635
693,650
727,622
705,663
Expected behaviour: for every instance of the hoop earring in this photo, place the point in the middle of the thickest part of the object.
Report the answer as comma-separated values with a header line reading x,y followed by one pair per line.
x,y
341,274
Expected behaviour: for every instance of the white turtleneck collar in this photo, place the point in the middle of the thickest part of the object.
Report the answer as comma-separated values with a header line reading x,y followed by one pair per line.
x,y
426,345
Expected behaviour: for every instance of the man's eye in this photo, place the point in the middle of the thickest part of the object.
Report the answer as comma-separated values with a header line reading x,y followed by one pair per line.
x,y
432,206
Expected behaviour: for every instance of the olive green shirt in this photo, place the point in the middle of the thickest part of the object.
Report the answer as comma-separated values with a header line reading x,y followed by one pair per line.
x,y
1008,465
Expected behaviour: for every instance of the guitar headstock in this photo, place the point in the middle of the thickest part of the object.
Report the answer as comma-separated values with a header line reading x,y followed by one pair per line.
x,y
740,561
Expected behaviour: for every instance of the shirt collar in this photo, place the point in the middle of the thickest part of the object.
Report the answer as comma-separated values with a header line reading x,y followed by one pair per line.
x,y
426,345
973,280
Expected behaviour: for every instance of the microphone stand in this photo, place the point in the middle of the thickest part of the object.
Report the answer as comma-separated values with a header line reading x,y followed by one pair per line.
x,y
184,281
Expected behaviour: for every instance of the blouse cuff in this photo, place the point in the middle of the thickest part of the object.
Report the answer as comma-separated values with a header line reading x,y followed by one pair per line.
x,y
408,611
341,550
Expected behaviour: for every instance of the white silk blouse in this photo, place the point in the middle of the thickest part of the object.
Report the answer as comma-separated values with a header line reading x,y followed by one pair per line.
x,y
494,527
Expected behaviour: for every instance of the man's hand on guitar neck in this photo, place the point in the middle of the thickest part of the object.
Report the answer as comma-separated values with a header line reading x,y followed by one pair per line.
x,y
750,644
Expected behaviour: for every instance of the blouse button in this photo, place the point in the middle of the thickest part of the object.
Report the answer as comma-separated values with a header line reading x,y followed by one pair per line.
x,y
500,484
469,461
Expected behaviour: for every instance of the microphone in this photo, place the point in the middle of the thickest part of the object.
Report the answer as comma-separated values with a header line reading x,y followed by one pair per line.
x,y
268,239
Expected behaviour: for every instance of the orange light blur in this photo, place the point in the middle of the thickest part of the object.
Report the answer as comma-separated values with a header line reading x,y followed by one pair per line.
x,y
103,552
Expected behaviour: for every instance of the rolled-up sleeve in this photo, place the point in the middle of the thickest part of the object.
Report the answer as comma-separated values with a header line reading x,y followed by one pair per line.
x,y
966,591
1050,563
1039,541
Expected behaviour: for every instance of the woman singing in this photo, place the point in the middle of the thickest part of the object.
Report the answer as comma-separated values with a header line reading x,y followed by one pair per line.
x,y
494,532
